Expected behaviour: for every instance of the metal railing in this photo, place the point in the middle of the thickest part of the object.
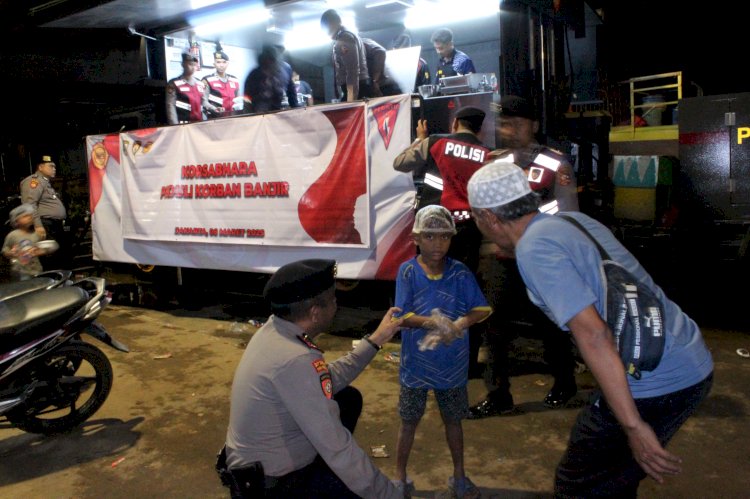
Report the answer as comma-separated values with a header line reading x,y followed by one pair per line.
x,y
644,86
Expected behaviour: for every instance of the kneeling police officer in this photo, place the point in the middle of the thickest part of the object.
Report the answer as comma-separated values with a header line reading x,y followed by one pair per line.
x,y
292,414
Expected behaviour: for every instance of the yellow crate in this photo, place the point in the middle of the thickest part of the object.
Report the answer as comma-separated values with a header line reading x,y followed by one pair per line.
x,y
635,203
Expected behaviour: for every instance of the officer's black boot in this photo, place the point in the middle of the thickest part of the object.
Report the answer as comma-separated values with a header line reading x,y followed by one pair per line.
x,y
559,355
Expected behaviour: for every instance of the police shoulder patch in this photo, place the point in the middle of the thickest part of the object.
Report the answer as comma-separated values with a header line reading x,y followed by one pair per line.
x,y
326,385
34,183
320,366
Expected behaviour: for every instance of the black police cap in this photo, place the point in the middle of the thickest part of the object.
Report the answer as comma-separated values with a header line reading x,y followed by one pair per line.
x,y
513,106
220,54
469,112
187,56
300,280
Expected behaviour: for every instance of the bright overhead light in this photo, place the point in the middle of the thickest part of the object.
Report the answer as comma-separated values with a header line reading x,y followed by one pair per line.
x,y
427,14
199,4
227,19
379,3
306,35
338,4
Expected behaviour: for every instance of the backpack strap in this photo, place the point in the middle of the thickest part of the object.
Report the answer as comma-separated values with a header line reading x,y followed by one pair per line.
x,y
602,251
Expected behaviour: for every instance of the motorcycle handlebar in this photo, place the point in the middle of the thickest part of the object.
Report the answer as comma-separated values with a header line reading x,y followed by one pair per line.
x,y
95,286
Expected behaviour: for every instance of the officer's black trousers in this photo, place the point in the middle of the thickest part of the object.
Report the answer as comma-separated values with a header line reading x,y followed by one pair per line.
x,y
316,480
59,260
504,288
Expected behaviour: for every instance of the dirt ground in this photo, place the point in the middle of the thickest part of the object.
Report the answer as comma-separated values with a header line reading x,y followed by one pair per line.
x,y
157,434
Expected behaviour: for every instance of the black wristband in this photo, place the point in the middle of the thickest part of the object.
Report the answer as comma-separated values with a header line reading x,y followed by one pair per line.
x,y
372,343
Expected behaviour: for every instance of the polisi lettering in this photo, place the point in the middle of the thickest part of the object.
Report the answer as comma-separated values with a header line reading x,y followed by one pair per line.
x,y
463,151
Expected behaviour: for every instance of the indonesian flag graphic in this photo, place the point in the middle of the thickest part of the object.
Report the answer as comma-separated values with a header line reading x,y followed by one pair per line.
x,y
326,210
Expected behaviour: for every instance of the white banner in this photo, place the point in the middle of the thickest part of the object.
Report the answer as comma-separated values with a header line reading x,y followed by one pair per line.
x,y
253,193
297,178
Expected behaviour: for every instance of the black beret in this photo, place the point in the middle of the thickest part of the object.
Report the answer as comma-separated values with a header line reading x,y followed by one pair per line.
x,y
469,112
187,56
514,106
300,280
220,54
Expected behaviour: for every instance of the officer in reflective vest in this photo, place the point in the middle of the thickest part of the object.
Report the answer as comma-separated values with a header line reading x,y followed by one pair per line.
x,y
442,165
186,95
550,175
547,169
223,89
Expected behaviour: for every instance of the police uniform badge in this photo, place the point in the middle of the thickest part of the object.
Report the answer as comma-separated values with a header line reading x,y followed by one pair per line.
x,y
535,174
34,183
326,384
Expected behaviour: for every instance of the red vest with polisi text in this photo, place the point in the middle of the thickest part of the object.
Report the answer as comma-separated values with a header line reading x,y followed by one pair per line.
x,y
457,156
222,93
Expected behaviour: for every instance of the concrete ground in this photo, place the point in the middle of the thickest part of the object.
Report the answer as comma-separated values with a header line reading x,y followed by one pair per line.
x,y
157,434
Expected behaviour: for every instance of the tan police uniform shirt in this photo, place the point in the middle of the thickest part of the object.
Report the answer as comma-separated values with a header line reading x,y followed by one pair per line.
x,y
282,412
37,191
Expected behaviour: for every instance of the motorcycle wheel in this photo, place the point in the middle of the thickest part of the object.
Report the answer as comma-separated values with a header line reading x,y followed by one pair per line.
x,y
78,380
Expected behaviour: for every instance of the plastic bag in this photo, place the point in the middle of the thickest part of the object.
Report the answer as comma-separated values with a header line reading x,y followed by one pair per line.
x,y
440,330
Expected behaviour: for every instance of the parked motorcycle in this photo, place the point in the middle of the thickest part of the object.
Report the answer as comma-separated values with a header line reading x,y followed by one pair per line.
x,y
51,380
45,280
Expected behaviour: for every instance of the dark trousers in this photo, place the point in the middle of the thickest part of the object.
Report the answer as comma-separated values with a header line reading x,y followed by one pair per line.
x,y
465,244
316,480
59,260
390,88
365,91
465,248
504,288
599,462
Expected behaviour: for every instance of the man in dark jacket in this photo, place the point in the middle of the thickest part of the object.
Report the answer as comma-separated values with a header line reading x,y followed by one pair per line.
x,y
270,87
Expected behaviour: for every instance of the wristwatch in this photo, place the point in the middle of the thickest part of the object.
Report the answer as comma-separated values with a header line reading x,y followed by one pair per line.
x,y
372,343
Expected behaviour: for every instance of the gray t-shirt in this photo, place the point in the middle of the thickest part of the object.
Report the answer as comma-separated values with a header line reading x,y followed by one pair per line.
x,y
561,268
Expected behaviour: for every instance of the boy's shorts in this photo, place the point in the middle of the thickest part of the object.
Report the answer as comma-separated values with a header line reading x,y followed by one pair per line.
x,y
452,402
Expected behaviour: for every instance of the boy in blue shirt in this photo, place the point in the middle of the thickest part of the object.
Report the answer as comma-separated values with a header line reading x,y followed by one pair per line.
x,y
440,299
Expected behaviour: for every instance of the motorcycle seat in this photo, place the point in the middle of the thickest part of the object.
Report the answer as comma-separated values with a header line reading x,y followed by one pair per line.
x,y
28,317
18,288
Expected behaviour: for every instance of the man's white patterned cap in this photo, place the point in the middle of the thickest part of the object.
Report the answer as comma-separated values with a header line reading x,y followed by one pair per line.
x,y
432,219
497,183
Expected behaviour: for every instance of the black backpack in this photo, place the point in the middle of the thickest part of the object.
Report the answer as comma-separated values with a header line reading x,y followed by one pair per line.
x,y
634,314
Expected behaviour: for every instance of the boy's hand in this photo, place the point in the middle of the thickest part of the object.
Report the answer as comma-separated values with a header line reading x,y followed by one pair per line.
x,y
440,329
387,328
40,232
